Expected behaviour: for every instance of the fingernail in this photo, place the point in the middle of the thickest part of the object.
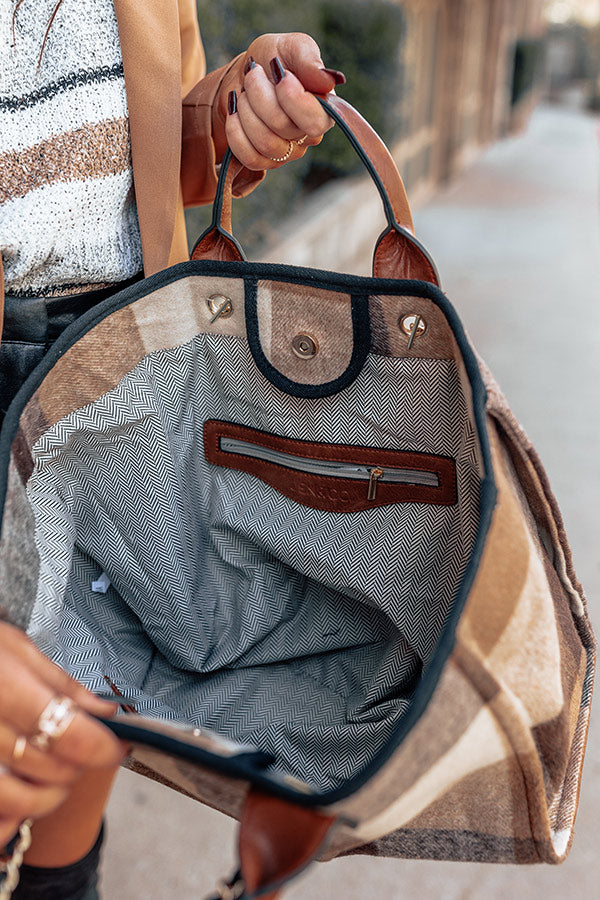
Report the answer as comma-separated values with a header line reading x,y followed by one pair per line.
x,y
232,103
250,64
277,70
337,76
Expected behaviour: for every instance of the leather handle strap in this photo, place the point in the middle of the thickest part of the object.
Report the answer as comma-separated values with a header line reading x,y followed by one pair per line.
x,y
277,839
376,158
217,242
398,254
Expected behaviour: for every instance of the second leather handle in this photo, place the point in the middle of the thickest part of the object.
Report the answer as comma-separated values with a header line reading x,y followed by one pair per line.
x,y
398,254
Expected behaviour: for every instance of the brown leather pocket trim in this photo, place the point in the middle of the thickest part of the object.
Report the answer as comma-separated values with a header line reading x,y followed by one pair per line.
x,y
326,492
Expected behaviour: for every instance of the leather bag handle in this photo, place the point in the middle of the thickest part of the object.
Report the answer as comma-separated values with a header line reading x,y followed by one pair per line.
x,y
398,254
277,839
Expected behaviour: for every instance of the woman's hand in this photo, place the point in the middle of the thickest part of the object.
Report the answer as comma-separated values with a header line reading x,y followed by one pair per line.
x,y
267,105
37,782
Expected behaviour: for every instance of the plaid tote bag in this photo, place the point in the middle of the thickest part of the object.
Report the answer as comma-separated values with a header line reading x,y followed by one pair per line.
x,y
287,515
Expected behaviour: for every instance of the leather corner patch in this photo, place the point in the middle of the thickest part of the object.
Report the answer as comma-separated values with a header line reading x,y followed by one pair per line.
x,y
332,477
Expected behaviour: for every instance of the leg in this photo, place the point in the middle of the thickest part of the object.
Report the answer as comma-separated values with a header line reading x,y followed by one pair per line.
x,y
65,852
67,834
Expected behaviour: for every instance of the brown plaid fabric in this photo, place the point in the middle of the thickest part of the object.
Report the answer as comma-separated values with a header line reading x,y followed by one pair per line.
x,y
491,770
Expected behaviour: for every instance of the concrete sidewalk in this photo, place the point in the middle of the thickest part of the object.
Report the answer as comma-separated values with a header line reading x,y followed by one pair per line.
x,y
517,244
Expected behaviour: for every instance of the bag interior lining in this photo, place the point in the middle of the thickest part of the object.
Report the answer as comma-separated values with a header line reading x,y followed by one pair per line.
x,y
232,607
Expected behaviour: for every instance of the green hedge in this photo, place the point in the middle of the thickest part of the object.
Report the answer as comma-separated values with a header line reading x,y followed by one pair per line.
x,y
363,38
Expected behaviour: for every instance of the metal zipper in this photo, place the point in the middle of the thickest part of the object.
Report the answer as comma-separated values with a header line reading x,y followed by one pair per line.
x,y
373,475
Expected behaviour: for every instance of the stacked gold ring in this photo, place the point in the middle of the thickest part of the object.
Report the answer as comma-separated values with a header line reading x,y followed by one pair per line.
x,y
53,722
290,150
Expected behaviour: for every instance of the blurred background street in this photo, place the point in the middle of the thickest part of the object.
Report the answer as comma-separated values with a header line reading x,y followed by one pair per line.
x,y
514,230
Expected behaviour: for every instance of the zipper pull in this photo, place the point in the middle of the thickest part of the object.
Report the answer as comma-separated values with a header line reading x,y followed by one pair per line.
x,y
374,476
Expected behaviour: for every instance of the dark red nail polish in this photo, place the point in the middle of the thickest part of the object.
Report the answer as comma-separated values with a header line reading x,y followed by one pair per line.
x,y
337,76
277,70
232,103
250,64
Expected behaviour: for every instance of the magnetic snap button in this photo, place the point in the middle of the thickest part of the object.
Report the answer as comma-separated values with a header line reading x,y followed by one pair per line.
x,y
220,307
305,346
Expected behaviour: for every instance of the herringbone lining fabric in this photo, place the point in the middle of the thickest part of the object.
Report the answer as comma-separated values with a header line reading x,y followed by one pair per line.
x,y
234,608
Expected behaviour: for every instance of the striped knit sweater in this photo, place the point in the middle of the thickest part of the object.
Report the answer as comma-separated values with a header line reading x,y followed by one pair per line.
x,y
67,208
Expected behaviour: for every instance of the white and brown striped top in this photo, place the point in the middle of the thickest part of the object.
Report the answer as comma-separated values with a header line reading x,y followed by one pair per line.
x,y
67,207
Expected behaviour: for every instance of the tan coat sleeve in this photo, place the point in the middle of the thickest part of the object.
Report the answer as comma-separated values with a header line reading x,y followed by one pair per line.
x,y
193,61
201,115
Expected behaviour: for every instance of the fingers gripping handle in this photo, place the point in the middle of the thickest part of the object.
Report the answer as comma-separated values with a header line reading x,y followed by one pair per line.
x,y
398,254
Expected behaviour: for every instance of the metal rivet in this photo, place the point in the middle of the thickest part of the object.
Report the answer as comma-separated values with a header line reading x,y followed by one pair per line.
x,y
305,346
220,307
414,326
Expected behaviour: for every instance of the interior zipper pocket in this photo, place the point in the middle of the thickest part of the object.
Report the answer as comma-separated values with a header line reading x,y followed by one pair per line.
x,y
332,477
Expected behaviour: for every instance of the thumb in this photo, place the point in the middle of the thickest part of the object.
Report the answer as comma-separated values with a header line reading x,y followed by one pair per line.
x,y
301,55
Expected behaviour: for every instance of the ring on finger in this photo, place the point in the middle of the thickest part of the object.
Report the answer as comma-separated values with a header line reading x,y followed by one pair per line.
x,y
301,140
290,150
19,748
53,722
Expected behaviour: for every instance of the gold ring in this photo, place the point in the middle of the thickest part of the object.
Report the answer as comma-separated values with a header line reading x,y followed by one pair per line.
x,y
19,748
287,155
53,722
301,141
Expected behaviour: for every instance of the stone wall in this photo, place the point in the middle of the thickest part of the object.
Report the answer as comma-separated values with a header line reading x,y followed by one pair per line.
x,y
459,64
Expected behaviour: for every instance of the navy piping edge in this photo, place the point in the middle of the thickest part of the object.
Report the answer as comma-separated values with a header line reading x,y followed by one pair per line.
x,y
333,281
361,343
247,764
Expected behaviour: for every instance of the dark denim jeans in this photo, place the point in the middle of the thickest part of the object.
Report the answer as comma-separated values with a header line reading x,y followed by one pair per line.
x,y
76,882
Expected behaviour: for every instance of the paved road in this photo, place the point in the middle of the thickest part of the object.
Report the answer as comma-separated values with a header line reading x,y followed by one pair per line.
x,y
517,244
